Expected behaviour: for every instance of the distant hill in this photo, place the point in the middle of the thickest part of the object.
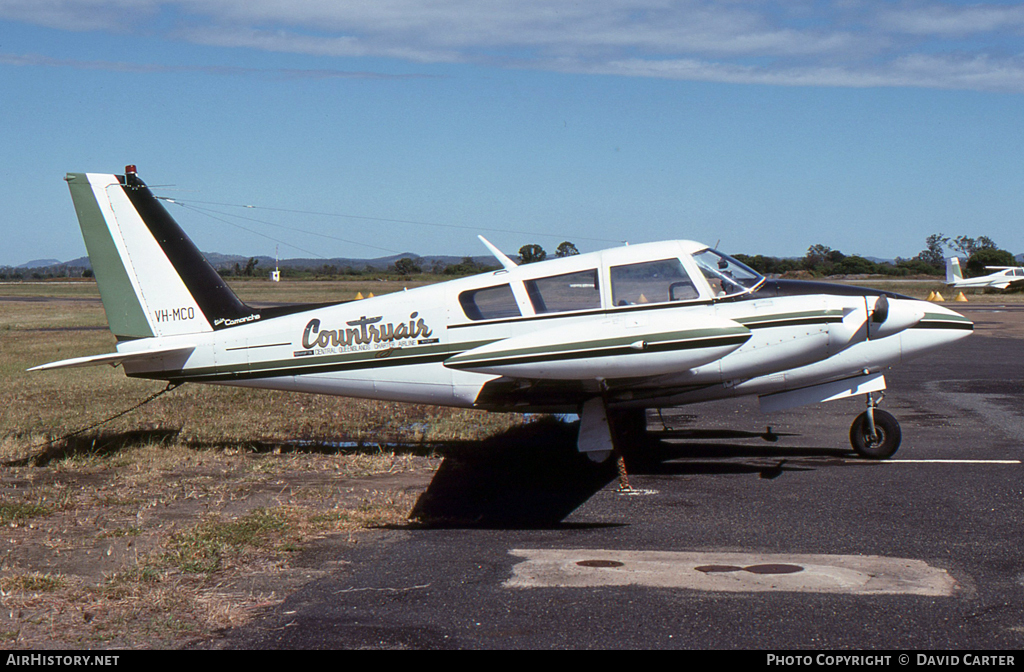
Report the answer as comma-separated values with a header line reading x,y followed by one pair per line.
x,y
219,261
40,263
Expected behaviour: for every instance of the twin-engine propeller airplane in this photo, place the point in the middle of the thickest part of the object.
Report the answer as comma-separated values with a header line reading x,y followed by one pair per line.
x,y
605,335
1001,279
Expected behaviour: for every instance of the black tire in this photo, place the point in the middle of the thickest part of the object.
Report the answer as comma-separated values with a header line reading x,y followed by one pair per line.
x,y
879,447
631,438
629,429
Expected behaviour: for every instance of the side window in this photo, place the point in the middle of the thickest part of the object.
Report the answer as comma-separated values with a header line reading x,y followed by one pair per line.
x,y
651,282
560,293
489,303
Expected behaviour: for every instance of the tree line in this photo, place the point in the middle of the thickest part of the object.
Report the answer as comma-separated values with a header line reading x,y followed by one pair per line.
x,y
402,268
821,260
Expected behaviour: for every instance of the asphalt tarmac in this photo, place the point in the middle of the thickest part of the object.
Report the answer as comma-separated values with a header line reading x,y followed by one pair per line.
x,y
726,541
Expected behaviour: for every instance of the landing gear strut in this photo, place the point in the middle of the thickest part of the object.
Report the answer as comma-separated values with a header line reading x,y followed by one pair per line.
x,y
603,433
875,434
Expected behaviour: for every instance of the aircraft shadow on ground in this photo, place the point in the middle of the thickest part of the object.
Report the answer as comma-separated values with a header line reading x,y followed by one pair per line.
x,y
533,476
104,444
100,444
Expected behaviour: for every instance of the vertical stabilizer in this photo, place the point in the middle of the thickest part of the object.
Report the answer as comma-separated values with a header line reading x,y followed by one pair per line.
x,y
953,273
152,279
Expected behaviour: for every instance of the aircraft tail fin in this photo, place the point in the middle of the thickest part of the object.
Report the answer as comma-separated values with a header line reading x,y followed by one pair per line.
x,y
953,273
152,279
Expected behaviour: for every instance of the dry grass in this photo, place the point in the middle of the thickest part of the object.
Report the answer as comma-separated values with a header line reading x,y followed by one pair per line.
x,y
182,517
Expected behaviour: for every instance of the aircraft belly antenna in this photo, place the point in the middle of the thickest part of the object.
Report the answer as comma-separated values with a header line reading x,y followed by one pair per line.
x,y
498,254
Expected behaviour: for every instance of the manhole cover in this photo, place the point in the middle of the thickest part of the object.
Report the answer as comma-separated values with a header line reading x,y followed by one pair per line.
x,y
707,569
599,563
774,569
753,569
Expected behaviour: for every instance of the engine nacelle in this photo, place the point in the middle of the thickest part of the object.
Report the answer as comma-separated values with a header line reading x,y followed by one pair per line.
x,y
890,317
608,348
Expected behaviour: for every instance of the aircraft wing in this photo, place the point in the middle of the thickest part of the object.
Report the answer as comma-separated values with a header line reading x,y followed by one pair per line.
x,y
115,358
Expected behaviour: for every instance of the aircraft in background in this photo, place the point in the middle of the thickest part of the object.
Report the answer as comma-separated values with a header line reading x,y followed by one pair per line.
x,y
1001,279
605,335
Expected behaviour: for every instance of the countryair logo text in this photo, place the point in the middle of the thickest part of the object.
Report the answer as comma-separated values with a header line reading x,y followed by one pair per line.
x,y
364,334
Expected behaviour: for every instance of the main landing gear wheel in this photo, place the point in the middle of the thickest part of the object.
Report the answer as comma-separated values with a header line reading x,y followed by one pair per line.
x,y
883,443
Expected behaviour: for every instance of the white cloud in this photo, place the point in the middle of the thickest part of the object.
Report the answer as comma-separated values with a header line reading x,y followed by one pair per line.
x,y
124,66
952,20
339,46
920,71
80,15
800,42
554,26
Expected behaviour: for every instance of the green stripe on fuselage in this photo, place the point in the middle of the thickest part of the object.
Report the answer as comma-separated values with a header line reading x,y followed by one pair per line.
x,y
124,312
328,363
791,319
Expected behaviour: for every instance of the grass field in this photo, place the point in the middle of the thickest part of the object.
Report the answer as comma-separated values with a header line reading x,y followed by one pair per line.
x,y
181,517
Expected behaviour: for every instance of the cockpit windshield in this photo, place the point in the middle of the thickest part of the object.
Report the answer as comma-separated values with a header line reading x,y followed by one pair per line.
x,y
727,276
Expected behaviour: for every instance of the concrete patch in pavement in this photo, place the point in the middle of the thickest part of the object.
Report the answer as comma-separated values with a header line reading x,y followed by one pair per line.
x,y
729,572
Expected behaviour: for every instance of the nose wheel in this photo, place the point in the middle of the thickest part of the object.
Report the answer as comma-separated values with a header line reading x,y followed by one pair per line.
x,y
875,434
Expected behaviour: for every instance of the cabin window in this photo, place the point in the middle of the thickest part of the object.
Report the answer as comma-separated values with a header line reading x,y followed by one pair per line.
x,y
651,282
560,293
490,303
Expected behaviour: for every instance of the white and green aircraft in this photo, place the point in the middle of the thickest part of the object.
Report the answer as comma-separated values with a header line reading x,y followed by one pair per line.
x,y
1003,277
605,335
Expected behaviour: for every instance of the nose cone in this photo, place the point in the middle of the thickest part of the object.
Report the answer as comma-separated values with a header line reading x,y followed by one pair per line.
x,y
938,327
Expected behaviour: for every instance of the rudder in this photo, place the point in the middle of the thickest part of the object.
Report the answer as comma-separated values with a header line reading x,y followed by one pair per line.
x,y
153,280
953,273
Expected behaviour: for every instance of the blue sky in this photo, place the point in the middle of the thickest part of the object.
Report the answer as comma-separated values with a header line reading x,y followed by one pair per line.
x,y
764,127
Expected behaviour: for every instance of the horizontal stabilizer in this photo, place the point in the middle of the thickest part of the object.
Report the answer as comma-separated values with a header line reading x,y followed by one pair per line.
x,y
115,358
